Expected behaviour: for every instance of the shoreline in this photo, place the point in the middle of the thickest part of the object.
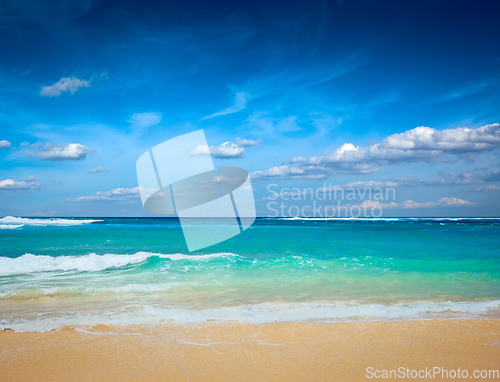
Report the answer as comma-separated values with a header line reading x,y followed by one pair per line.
x,y
215,351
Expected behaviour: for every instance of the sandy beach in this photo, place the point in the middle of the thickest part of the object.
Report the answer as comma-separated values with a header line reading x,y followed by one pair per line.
x,y
341,351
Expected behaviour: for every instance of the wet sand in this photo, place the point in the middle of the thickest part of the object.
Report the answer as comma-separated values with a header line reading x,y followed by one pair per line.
x,y
217,351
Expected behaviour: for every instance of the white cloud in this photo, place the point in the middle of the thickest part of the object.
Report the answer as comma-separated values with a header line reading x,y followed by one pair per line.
x,y
201,150
443,202
97,170
491,187
376,203
5,144
143,121
422,144
410,204
27,184
240,103
418,144
66,84
467,177
73,151
112,195
284,172
372,184
313,172
247,142
227,150
459,140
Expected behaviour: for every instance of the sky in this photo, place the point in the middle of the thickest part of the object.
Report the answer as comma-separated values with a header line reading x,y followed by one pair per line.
x,y
307,96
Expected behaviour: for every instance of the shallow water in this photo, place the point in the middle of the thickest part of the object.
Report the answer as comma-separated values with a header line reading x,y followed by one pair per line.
x,y
56,272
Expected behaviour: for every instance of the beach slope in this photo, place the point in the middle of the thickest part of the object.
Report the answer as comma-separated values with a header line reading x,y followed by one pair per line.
x,y
341,351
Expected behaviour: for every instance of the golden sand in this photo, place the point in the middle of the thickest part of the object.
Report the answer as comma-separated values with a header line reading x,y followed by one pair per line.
x,y
243,352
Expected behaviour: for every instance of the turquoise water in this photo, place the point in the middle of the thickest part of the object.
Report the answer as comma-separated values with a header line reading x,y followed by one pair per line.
x,y
56,272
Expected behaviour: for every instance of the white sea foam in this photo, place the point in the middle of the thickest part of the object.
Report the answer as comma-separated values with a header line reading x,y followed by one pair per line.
x,y
378,219
10,220
340,219
29,263
89,290
180,256
10,226
141,288
258,314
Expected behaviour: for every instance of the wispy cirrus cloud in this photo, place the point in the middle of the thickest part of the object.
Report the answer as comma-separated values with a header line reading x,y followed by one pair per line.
x,y
458,92
72,151
240,103
29,183
261,123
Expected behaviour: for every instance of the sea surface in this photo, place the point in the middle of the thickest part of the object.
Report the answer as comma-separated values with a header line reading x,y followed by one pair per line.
x,y
74,271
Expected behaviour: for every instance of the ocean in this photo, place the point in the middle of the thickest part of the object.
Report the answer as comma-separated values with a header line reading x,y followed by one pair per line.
x,y
57,272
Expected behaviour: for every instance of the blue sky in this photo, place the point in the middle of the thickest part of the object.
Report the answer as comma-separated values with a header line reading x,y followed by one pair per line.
x,y
344,93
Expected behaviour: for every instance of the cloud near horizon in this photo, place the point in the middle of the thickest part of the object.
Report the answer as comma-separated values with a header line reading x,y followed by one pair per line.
x,y
410,204
421,144
415,145
471,176
489,188
29,183
313,172
117,194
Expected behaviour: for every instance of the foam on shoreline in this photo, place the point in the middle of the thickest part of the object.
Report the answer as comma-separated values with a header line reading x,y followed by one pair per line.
x,y
254,314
